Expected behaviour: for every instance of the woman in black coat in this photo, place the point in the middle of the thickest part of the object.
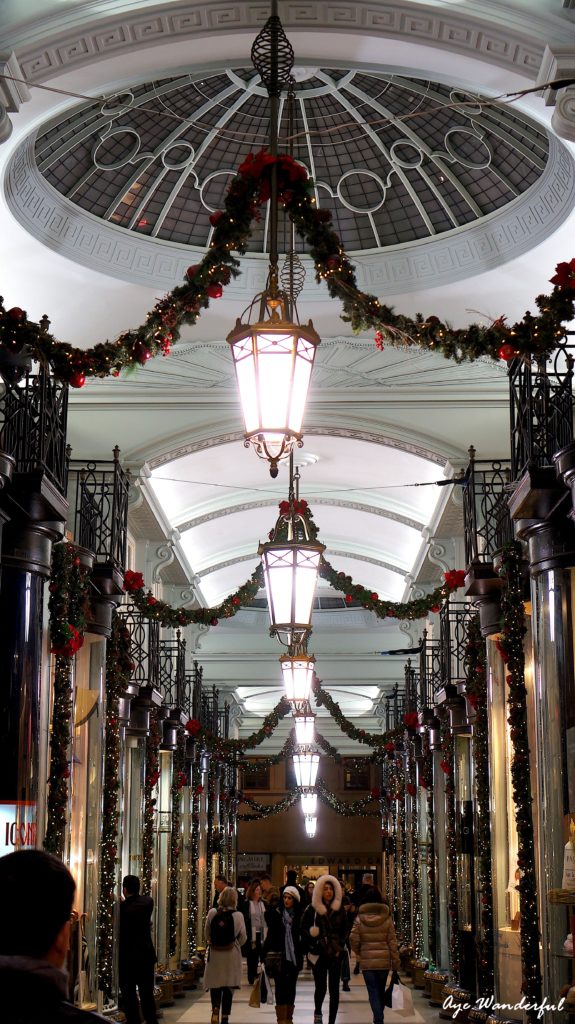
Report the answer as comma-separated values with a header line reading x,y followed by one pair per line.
x,y
324,930
284,937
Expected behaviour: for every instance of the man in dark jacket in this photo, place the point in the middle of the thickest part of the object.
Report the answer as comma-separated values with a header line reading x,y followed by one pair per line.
x,y
137,953
37,896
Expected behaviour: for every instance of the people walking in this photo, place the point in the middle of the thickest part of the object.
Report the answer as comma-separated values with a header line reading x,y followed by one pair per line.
x,y
374,943
284,937
324,933
225,935
270,891
220,883
137,957
254,911
291,879
307,895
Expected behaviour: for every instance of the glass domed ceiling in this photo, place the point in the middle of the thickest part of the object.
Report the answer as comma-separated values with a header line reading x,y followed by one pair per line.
x,y
396,159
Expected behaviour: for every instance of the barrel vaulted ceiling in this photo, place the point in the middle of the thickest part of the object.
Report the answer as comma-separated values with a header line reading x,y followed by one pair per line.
x,y
450,205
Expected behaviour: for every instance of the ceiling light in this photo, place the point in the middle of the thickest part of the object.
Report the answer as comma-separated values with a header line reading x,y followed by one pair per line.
x,y
310,825
273,357
298,671
306,766
308,800
304,726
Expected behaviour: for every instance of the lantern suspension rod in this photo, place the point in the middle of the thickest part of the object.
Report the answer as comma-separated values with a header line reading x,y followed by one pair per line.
x,y
274,95
290,107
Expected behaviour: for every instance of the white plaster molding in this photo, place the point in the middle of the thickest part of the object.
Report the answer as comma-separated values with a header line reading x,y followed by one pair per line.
x,y
494,36
455,255
13,92
559,63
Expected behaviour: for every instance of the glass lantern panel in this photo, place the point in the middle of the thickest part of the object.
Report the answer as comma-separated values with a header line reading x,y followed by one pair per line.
x,y
308,803
310,825
301,379
246,375
304,729
275,357
298,677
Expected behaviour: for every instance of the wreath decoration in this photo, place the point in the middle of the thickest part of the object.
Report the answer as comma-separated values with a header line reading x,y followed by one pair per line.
x,y
205,281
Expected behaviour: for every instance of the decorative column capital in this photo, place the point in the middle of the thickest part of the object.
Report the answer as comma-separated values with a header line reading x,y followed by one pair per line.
x,y
558,64
13,92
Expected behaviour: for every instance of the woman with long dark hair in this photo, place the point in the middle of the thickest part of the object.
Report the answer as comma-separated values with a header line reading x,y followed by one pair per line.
x,y
284,938
324,933
254,911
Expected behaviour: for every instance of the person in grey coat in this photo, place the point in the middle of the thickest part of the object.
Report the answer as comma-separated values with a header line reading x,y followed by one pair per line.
x,y
224,966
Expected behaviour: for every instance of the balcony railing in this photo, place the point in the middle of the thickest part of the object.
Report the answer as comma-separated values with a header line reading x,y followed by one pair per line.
x,y
541,403
101,509
430,663
192,698
394,708
453,621
33,420
486,516
172,674
145,647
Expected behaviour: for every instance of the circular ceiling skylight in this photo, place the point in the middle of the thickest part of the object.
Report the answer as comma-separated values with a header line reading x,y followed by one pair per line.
x,y
401,162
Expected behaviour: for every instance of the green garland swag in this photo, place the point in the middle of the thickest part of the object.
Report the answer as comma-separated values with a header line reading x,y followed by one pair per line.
x,y
510,646
413,834
151,779
220,748
476,693
195,796
118,672
248,190
350,762
348,808
372,739
447,766
68,589
179,780
262,763
267,810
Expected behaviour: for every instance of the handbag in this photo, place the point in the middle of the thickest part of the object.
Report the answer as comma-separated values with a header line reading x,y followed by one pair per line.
x,y
273,964
255,994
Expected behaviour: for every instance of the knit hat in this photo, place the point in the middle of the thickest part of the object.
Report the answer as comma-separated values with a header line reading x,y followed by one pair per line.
x,y
292,891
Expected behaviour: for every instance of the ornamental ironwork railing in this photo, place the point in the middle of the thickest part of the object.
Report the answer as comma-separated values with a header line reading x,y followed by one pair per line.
x,y
224,721
453,622
541,405
101,508
486,517
145,646
192,694
411,687
394,707
171,671
430,664
33,421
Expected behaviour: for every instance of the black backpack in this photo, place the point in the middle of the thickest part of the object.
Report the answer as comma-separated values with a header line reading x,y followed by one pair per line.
x,y
222,930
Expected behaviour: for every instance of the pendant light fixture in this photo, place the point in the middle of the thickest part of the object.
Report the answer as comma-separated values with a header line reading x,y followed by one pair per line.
x,y
298,672
310,825
304,722
308,799
291,562
273,357
306,766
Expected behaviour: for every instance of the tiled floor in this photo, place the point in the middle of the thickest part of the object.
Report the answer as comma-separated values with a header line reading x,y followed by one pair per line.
x,y
353,1008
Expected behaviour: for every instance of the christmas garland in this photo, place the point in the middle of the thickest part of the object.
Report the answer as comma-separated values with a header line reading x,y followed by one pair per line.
x,y
447,765
267,810
416,609
210,809
476,693
118,671
68,589
372,739
350,762
263,763
220,747
348,808
205,281
426,783
179,780
195,796
416,907
169,617
510,647
151,778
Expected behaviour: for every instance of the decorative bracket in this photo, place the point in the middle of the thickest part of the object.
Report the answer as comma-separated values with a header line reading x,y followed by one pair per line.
x,y
13,92
558,64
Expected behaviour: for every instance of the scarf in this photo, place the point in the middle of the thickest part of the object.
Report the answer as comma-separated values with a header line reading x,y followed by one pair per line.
x,y
287,918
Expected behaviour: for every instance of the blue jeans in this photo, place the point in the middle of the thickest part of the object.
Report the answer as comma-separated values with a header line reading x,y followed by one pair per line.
x,y
345,968
375,985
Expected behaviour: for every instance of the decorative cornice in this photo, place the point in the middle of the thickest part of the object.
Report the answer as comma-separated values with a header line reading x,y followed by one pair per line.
x,y
312,430
330,551
456,255
312,500
57,47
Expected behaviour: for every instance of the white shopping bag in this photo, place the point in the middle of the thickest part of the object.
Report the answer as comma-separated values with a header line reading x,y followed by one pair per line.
x,y
401,999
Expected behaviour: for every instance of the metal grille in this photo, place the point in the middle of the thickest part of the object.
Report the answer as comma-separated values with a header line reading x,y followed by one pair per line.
x,y
101,516
487,522
541,402
453,620
145,646
429,671
171,671
192,691
33,419
394,707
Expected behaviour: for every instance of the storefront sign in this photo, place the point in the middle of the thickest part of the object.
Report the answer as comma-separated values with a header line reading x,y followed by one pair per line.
x,y
17,827
253,862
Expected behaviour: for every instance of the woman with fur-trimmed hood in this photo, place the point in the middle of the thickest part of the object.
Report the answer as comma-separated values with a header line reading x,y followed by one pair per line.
x,y
374,942
324,930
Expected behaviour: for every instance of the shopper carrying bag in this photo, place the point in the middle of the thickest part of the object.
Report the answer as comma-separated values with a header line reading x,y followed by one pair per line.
x,y
374,943
324,933
283,957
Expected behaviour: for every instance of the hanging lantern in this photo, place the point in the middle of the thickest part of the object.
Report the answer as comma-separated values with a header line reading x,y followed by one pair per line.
x,y
273,360
308,800
310,825
298,672
291,562
306,765
304,728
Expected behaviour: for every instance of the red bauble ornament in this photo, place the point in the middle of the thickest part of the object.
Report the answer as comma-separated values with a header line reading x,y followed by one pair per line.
x,y
348,598
236,600
435,608
77,379
192,271
216,217
141,352
16,313
507,352
151,600
213,622
215,290
332,263
374,597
